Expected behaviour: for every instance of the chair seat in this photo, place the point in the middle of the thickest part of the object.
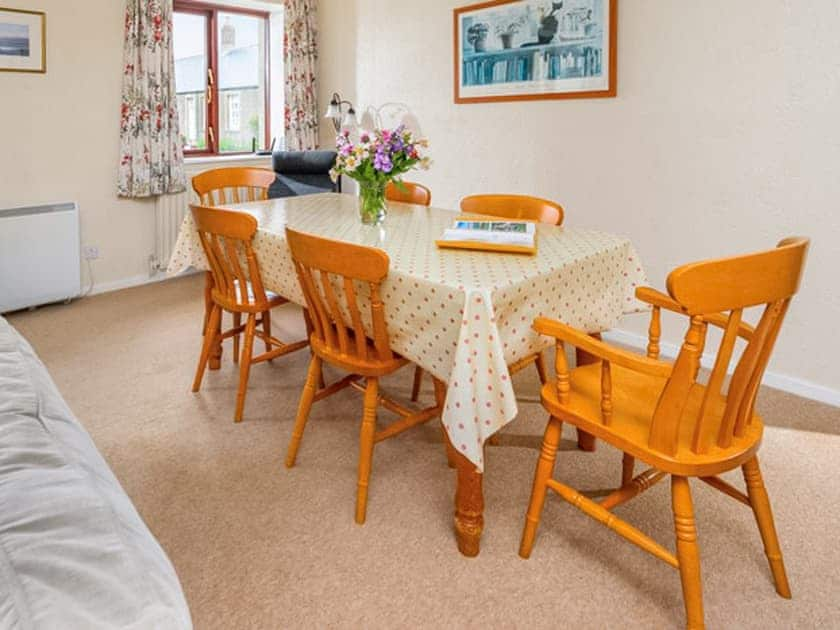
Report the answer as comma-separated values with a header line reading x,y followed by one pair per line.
x,y
352,362
634,398
251,306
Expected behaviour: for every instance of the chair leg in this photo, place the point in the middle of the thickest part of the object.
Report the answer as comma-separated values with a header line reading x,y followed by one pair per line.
x,y
237,321
764,517
266,326
366,447
540,365
687,551
628,466
245,365
545,469
418,381
207,345
304,406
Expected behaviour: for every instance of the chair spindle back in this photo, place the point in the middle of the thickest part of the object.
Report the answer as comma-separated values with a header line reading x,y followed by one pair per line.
x,y
226,237
717,292
221,186
514,207
323,265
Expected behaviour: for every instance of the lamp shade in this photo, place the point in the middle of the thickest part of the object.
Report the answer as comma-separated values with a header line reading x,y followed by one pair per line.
x,y
333,111
350,120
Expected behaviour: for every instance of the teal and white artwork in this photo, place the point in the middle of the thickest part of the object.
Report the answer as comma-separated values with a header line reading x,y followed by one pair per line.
x,y
523,49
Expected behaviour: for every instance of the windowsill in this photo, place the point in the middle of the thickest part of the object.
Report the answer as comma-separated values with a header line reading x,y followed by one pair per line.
x,y
213,159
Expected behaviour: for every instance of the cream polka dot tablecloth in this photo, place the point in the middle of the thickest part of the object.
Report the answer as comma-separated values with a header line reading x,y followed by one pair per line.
x,y
464,316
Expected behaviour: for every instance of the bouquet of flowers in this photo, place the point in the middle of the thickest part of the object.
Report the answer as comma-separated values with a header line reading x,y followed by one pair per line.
x,y
379,157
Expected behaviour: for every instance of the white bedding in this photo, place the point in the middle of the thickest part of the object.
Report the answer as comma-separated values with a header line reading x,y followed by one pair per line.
x,y
74,552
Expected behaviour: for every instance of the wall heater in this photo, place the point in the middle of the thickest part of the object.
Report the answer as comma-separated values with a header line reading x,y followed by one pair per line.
x,y
39,255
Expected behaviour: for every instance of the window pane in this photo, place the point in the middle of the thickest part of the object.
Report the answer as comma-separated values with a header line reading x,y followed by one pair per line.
x,y
242,64
189,34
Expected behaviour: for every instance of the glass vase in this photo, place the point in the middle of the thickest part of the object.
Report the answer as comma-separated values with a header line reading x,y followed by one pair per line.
x,y
372,204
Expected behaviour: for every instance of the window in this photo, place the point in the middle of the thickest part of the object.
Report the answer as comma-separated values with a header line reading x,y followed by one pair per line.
x,y
221,77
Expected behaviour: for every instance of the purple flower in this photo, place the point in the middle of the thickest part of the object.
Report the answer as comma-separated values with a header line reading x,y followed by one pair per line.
x,y
382,162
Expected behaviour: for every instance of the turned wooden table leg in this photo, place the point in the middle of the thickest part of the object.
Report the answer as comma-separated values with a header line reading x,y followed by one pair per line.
x,y
469,506
215,361
586,442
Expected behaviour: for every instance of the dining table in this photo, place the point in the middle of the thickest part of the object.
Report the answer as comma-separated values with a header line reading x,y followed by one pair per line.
x,y
464,316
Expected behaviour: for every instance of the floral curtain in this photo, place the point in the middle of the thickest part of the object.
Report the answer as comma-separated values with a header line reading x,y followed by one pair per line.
x,y
300,51
151,153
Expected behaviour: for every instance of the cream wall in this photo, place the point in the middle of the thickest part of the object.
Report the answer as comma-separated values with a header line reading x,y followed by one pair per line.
x,y
59,135
723,139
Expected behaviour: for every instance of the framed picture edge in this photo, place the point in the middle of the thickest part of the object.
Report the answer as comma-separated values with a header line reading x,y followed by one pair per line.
x,y
610,92
43,15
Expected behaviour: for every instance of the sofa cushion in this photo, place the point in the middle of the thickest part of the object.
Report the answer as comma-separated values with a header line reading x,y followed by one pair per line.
x,y
74,552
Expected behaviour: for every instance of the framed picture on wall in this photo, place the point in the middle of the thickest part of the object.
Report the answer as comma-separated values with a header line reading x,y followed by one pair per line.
x,y
512,50
23,41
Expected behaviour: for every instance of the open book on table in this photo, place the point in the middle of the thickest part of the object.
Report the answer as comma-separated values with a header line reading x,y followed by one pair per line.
x,y
491,235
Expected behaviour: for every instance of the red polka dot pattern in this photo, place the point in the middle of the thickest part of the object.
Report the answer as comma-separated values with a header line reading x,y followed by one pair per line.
x,y
464,316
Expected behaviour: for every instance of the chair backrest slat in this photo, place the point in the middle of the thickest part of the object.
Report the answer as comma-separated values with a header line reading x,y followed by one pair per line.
x,y
339,264
713,387
335,313
709,291
358,326
514,207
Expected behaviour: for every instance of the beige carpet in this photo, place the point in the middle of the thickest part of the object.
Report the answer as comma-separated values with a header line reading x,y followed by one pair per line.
x,y
258,546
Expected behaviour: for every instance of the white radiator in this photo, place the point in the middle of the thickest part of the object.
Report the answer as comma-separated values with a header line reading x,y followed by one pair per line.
x,y
170,210
39,255
169,214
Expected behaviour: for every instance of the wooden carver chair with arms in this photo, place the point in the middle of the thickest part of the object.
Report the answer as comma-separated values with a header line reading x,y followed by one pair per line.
x,y
658,412
513,207
327,269
226,238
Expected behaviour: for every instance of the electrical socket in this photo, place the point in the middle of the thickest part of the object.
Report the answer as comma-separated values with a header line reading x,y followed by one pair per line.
x,y
90,252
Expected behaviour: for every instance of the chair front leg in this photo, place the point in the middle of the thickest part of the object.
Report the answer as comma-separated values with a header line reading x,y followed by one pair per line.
x,y
545,469
688,553
207,345
366,440
304,406
245,365
766,526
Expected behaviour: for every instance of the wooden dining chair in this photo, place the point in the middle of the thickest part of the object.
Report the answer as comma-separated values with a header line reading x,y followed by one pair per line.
x,y
658,412
335,277
508,207
408,192
220,186
226,238
514,207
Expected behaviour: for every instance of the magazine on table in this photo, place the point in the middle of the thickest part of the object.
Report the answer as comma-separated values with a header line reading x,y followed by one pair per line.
x,y
514,233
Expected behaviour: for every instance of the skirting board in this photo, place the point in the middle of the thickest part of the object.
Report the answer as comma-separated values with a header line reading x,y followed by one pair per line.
x,y
789,384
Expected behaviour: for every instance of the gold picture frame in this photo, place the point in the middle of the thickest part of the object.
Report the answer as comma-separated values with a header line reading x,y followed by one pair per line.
x,y
523,50
23,41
